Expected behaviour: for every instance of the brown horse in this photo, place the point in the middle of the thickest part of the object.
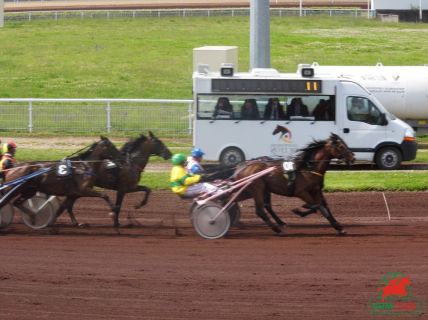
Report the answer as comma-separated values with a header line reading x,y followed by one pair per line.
x,y
125,173
311,166
73,179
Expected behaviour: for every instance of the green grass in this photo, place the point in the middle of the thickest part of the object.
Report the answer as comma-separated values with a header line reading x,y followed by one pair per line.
x,y
52,154
421,156
156,180
379,181
344,181
27,154
152,57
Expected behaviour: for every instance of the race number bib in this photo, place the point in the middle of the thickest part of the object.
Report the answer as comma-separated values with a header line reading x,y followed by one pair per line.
x,y
288,166
64,168
110,164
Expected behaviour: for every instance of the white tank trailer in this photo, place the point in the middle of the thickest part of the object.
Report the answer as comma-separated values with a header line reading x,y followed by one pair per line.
x,y
402,90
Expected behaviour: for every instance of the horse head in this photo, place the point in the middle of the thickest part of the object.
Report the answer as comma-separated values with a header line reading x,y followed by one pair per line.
x,y
102,149
143,147
279,129
105,149
339,149
159,148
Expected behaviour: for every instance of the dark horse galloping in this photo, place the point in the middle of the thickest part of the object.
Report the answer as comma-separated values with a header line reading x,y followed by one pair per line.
x,y
126,174
311,165
78,183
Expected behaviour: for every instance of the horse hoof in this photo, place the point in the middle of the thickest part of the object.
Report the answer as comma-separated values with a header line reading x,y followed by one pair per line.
x,y
280,234
83,225
279,230
298,212
341,233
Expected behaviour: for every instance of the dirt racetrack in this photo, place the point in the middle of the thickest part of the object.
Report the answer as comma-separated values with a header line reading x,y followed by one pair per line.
x,y
163,270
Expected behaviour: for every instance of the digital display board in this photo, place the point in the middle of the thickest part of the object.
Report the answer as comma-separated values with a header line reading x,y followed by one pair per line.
x,y
265,86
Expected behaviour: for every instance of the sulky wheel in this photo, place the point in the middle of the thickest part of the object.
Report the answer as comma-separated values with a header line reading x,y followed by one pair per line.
x,y
37,212
53,200
6,215
209,222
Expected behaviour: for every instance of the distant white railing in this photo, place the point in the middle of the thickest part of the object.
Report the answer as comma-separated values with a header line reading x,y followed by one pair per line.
x,y
172,118
159,13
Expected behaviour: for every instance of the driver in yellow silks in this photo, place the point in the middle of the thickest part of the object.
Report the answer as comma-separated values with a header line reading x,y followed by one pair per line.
x,y
184,184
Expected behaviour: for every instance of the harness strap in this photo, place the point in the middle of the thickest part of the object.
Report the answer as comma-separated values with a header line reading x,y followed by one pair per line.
x,y
316,173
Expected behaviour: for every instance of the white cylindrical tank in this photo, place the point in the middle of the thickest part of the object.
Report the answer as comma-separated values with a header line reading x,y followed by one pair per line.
x,y
402,90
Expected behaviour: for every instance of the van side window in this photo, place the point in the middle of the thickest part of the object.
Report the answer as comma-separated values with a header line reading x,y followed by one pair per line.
x,y
363,110
325,110
250,110
214,107
223,109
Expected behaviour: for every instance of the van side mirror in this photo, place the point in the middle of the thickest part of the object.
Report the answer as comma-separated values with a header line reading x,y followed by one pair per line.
x,y
383,120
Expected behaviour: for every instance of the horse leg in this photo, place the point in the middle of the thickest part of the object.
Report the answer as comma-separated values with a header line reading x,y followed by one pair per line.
x,y
268,208
312,209
87,192
71,213
310,204
116,209
65,205
259,203
69,207
147,191
333,221
327,214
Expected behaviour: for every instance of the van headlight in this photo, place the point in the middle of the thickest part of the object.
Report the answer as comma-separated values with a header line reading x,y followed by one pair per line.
x,y
409,135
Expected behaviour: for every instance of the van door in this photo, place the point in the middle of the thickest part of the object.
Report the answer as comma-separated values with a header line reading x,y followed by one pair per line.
x,y
361,123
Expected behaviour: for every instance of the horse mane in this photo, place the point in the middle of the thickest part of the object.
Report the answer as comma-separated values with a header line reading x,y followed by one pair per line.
x,y
132,144
304,155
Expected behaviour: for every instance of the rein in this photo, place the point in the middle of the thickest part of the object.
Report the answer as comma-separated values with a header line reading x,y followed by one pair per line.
x,y
79,151
316,173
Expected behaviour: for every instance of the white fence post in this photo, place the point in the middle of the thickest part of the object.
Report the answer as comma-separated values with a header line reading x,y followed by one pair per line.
x,y
108,111
30,116
190,117
1,13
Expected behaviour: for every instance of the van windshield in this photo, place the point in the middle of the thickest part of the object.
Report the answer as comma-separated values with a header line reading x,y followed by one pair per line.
x,y
363,110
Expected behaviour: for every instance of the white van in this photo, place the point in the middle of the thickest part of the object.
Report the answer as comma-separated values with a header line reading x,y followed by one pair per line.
x,y
239,116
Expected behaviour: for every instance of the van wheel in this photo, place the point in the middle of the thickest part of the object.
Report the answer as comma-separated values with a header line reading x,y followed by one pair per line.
x,y
231,156
388,158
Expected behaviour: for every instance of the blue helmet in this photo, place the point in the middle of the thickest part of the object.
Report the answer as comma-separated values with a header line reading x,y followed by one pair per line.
x,y
197,152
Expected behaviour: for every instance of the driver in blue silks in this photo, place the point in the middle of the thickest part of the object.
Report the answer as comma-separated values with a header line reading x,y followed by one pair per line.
x,y
194,161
